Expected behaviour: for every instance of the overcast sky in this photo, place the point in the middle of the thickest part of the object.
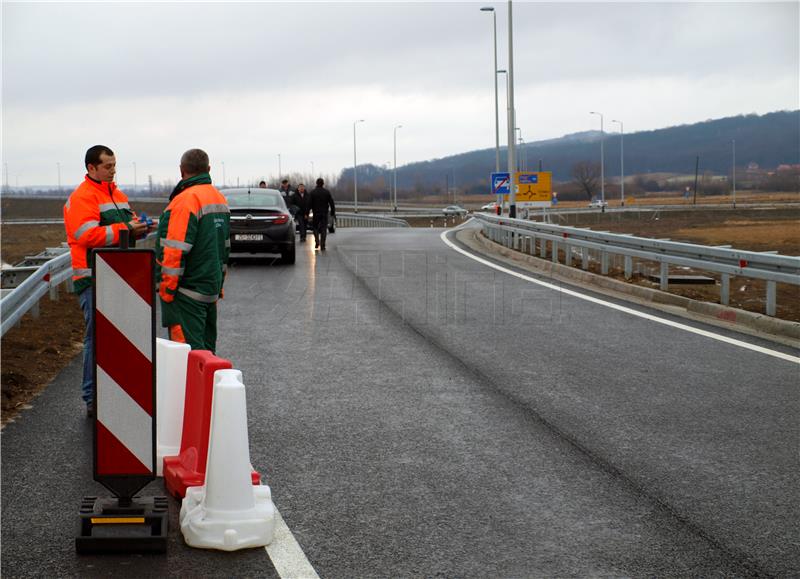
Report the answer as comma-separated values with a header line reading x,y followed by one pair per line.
x,y
249,81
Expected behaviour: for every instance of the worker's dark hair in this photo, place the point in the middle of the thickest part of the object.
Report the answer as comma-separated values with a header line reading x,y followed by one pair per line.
x,y
320,182
93,155
284,181
262,183
195,161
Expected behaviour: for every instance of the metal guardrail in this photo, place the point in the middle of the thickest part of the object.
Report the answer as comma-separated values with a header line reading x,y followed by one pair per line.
x,y
727,262
364,220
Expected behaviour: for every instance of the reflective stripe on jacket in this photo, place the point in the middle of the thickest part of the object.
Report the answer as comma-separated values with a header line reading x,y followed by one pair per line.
x,y
94,215
193,244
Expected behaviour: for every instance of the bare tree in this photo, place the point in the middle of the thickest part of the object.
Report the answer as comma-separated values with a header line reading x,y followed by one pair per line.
x,y
586,175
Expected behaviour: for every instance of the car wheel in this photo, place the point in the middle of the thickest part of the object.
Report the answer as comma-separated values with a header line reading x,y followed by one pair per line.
x,y
288,256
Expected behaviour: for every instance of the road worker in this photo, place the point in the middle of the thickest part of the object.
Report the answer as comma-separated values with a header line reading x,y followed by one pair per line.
x,y
94,215
192,254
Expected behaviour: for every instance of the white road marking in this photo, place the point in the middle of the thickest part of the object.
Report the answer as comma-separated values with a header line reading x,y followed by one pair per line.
x,y
613,306
288,558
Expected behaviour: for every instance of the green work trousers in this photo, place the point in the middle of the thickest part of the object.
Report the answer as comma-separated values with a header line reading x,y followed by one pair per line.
x,y
191,322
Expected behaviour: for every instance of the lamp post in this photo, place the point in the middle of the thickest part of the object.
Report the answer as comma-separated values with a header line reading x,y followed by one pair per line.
x,y
496,101
621,162
512,198
602,162
394,176
499,196
355,168
733,171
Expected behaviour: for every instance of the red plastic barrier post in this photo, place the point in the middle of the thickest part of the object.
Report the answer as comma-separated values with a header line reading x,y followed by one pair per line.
x,y
188,469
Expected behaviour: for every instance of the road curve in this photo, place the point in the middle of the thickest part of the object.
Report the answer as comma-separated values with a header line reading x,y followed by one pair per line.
x,y
419,414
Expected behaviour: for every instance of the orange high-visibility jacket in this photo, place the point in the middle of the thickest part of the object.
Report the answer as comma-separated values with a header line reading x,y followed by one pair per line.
x,y
94,215
193,245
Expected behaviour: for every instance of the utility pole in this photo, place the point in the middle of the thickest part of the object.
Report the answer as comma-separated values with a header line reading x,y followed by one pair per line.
x,y
512,198
696,171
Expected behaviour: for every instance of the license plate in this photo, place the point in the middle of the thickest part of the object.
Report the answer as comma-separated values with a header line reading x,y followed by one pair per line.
x,y
248,237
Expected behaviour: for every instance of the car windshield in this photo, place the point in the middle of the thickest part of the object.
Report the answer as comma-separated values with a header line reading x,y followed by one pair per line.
x,y
266,199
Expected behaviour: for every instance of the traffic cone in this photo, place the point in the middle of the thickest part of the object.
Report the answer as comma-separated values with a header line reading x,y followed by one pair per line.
x,y
188,467
170,393
228,512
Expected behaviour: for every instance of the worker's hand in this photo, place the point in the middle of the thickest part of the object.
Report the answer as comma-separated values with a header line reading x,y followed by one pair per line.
x,y
137,228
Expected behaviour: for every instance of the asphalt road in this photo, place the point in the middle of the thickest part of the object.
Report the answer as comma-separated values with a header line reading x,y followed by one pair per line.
x,y
419,414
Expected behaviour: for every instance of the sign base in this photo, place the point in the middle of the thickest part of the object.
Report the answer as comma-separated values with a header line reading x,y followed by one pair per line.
x,y
109,525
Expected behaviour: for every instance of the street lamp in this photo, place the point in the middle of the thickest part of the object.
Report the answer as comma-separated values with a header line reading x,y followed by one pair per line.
x,y
355,168
512,198
394,177
602,162
496,105
499,196
621,162
734,172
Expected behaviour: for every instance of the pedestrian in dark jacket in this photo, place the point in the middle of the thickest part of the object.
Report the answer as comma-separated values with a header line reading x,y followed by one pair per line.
x,y
301,199
321,200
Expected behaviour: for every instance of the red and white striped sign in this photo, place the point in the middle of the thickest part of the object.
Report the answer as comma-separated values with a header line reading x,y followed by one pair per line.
x,y
125,366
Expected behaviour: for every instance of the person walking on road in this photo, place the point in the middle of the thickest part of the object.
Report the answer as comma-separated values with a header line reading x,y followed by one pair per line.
x,y
286,192
192,254
301,200
321,200
94,215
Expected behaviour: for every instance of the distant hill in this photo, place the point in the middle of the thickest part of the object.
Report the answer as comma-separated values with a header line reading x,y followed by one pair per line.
x,y
769,140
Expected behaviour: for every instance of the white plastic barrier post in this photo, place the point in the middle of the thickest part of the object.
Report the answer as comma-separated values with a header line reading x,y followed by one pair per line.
x,y
228,512
170,393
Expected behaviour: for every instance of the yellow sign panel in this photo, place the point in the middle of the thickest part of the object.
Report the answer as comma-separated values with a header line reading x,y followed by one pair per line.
x,y
533,187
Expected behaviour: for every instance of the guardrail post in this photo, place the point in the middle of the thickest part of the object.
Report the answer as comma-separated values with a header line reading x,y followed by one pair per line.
x,y
53,292
628,267
568,255
725,289
35,309
664,276
554,245
771,298
604,262
543,247
585,258
532,248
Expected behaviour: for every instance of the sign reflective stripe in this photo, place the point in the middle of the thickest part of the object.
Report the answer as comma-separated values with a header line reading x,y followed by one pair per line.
x,y
197,296
213,208
81,272
228,242
86,227
124,308
174,243
124,417
172,270
116,520
109,235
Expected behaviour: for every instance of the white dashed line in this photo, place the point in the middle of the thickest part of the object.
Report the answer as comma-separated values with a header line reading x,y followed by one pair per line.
x,y
613,306
286,554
